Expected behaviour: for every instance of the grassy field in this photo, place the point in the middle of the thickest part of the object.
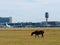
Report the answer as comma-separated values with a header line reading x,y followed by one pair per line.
x,y
22,36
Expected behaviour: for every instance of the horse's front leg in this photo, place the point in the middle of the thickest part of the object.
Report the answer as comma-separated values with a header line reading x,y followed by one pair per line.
x,y
38,36
35,36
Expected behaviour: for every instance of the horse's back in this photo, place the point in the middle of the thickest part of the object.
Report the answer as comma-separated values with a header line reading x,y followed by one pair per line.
x,y
41,31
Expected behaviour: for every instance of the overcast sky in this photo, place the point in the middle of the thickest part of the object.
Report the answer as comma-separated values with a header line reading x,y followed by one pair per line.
x,y
30,10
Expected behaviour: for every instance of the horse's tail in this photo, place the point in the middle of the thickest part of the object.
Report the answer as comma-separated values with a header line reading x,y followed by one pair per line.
x,y
42,33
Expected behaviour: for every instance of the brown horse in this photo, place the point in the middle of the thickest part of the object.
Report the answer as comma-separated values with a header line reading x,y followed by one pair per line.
x,y
37,33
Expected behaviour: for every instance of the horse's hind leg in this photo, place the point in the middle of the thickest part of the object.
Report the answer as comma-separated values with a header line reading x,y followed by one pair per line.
x,y
35,36
42,35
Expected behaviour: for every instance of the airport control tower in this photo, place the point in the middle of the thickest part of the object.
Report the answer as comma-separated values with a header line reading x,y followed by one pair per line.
x,y
46,16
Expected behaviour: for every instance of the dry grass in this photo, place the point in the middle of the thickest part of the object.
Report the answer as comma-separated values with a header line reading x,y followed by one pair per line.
x,y
22,36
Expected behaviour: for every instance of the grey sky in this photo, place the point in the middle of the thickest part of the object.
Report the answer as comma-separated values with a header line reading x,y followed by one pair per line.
x,y
30,10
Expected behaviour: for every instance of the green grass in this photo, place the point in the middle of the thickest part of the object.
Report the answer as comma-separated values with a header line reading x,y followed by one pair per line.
x,y
22,36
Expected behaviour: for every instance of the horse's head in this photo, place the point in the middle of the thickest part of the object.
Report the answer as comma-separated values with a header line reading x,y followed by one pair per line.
x,y
32,33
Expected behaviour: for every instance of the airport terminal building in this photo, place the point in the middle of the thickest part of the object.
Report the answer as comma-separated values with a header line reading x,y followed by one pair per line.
x,y
4,21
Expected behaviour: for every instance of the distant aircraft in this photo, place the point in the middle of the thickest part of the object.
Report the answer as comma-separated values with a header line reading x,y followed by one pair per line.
x,y
8,26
